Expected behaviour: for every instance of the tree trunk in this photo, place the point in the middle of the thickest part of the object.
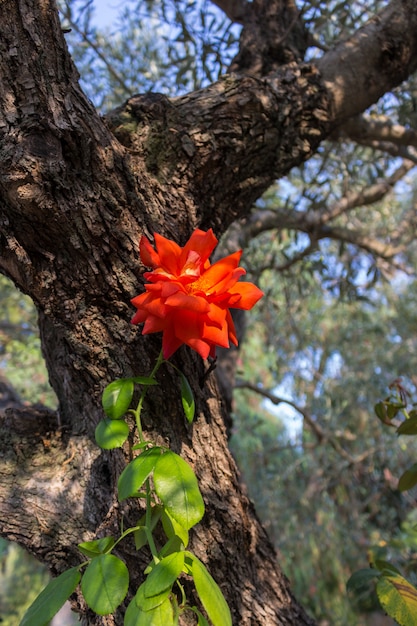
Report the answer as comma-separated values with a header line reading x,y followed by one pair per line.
x,y
76,194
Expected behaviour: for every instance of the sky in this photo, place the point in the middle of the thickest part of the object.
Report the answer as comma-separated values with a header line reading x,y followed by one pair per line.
x,y
106,11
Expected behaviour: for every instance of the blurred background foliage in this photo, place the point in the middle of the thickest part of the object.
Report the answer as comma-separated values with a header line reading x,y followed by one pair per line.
x,y
333,247
21,580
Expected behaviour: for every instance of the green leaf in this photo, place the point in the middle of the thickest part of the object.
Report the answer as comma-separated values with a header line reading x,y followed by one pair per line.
x,y
143,380
104,584
210,594
393,408
187,398
96,547
52,598
408,427
160,615
142,445
174,544
361,578
380,411
136,472
386,568
176,485
173,529
149,603
164,574
111,433
201,619
134,615
398,598
386,410
117,397
408,479
141,538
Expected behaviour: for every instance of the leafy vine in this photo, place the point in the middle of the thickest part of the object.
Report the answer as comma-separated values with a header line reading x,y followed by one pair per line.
x,y
188,299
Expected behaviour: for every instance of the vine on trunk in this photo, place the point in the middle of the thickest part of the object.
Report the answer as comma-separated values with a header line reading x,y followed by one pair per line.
x,y
189,300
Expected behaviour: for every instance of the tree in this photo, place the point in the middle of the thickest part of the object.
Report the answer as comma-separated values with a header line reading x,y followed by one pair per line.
x,y
78,191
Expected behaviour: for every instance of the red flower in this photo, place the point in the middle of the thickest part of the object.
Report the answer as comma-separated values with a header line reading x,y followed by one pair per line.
x,y
187,298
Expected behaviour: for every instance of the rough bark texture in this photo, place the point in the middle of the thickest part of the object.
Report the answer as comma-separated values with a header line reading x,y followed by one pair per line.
x,y
75,194
377,58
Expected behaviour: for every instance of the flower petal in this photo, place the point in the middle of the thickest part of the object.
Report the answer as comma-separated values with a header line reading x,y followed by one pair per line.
x,y
201,242
154,325
147,254
192,303
218,336
231,328
170,343
222,275
188,328
249,295
169,254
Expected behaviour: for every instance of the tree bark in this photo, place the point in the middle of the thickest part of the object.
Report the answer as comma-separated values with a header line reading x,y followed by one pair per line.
x,y
76,193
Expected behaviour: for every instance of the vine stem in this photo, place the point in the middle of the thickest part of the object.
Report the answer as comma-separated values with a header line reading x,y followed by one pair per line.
x,y
137,413
148,522
138,410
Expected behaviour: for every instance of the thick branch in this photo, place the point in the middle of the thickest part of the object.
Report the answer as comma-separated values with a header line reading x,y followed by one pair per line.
x,y
273,35
236,10
225,145
381,134
377,58
366,129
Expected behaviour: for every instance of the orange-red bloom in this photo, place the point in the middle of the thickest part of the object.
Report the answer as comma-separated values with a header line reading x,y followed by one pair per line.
x,y
187,298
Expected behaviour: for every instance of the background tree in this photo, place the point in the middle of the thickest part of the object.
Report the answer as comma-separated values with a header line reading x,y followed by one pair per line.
x,y
77,192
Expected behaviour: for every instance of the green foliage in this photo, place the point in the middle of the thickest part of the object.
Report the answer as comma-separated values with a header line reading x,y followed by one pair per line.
x,y
328,473
163,575
20,346
117,397
52,598
209,593
96,547
408,479
160,46
22,578
398,598
136,472
177,487
149,603
104,583
173,529
174,501
187,398
111,433
149,612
